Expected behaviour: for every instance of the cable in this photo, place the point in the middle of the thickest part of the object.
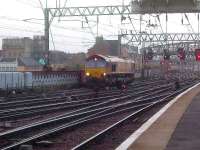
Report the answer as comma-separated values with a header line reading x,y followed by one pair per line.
x,y
55,26
65,3
189,22
71,43
33,31
132,24
158,18
27,3
13,28
41,5
89,27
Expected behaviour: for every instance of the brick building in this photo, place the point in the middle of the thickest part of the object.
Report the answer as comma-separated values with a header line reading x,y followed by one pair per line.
x,y
108,47
23,47
105,47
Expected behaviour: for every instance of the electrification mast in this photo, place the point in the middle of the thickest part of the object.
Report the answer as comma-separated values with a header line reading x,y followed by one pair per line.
x,y
135,7
47,25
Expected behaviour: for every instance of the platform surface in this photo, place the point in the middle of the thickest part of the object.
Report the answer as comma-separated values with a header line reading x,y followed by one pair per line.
x,y
175,127
187,133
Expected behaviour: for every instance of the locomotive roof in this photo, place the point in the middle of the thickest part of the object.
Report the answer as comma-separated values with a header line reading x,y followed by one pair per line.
x,y
110,58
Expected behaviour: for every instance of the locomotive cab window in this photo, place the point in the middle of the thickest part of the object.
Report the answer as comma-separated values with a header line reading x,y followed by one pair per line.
x,y
114,66
95,63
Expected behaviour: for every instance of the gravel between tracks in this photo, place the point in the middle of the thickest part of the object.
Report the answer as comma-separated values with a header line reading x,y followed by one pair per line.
x,y
69,139
119,135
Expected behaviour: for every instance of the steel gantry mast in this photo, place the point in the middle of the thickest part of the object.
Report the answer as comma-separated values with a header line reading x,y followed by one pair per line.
x,y
51,13
160,38
135,7
47,28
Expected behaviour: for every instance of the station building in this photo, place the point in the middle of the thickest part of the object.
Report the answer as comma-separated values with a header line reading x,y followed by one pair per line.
x,y
23,47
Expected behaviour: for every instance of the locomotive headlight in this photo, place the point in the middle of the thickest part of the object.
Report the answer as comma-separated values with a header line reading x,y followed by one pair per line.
x,y
87,74
104,74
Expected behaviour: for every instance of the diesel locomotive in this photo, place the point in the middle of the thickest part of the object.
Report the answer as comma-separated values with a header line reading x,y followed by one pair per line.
x,y
108,70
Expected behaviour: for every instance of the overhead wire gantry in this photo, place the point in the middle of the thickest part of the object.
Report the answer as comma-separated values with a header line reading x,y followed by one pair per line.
x,y
135,7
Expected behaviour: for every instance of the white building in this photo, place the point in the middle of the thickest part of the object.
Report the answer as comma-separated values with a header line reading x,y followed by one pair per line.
x,y
8,64
19,64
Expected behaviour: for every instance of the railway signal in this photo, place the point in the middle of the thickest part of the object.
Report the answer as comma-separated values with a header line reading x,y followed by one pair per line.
x,y
197,54
166,54
150,54
144,55
181,53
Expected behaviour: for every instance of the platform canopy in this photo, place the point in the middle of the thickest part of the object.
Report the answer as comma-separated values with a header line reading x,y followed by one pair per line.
x,y
166,6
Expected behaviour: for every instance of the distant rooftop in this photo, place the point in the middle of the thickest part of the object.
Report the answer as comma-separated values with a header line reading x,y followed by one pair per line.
x,y
22,61
28,62
111,46
8,60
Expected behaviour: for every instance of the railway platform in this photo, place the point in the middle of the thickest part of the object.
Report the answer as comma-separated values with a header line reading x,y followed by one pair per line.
x,y
186,135
175,127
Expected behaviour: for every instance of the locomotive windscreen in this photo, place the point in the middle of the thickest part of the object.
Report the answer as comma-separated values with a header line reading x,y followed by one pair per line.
x,y
95,63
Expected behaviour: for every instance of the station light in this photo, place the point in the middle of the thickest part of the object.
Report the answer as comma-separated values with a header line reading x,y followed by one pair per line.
x,y
181,53
197,54
87,74
104,74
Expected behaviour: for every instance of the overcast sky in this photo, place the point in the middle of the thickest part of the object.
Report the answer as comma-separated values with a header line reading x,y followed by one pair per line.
x,y
68,34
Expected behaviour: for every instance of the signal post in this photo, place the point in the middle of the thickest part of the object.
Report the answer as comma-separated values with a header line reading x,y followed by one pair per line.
x,y
181,55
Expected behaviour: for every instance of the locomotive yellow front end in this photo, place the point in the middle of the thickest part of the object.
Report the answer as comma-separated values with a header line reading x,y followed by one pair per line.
x,y
95,70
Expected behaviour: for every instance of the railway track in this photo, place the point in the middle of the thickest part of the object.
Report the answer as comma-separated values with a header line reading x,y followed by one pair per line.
x,y
13,114
93,141
103,137
42,101
109,107
39,101
132,102
77,95
60,92
47,94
